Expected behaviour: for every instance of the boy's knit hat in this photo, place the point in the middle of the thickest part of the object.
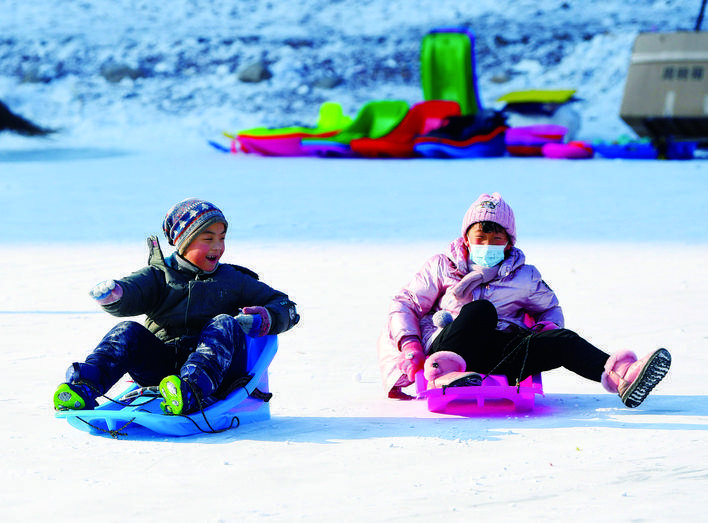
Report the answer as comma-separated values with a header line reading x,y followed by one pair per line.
x,y
491,209
186,219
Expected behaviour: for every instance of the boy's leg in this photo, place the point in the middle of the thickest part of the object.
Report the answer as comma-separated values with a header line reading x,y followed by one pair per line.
x,y
128,347
220,356
131,348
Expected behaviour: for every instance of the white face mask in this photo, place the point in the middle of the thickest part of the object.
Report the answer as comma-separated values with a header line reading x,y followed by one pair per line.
x,y
486,255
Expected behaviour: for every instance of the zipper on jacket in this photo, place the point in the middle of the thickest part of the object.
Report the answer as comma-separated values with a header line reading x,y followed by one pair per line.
x,y
186,309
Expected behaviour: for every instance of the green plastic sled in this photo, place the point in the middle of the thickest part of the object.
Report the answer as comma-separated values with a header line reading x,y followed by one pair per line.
x,y
546,96
331,119
374,120
447,68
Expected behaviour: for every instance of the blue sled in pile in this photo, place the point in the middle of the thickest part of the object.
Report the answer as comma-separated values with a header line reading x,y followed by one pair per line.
x,y
137,412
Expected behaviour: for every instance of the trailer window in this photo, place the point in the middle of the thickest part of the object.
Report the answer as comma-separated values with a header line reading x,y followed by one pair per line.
x,y
668,73
697,73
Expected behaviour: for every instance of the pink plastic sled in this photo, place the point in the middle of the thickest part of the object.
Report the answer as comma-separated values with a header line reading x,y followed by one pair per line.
x,y
494,391
575,150
530,139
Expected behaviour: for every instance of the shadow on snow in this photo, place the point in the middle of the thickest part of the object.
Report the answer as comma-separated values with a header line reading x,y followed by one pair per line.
x,y
554,411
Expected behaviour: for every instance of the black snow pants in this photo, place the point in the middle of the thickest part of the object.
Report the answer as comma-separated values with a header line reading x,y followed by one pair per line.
x,y
473,335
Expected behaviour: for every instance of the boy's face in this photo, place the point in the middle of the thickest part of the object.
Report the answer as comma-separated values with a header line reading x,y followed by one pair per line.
x,y
206,249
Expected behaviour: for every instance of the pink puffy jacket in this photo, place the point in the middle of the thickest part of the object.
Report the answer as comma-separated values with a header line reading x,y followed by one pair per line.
x,y
516,291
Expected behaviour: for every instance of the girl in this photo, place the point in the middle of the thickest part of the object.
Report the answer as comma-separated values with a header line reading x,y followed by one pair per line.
x,y
481,307
198,312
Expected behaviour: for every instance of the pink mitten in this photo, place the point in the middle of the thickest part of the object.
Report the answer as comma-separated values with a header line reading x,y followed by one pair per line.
x,y
254,321
543,326
413,358
443,362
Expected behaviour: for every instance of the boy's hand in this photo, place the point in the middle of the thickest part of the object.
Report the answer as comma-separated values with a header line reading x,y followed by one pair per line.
x,y
106,292
254,321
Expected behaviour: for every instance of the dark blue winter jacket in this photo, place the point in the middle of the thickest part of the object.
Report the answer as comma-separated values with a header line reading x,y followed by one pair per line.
x,y
179,299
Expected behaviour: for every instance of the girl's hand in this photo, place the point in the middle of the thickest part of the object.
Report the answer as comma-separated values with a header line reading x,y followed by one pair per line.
x,y
413,358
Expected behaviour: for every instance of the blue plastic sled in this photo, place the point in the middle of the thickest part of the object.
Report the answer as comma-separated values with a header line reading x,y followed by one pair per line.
x,y
489,146
141,415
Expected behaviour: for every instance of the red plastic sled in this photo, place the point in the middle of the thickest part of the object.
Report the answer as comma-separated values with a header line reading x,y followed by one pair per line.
x,y
494,391
420,119
529,140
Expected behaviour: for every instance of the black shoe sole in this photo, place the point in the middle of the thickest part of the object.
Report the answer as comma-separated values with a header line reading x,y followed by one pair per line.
x,y
471,380
652,373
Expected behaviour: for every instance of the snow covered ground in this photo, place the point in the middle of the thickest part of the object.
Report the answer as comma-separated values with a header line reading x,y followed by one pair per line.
x,y
623,243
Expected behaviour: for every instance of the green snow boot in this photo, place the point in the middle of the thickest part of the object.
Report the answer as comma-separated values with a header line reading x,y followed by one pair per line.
x,y
74,396
178,395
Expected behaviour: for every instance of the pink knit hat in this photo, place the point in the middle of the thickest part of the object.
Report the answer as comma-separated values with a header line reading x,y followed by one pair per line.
x,y
491,209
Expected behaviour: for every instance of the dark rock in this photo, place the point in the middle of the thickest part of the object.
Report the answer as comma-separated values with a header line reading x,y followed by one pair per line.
x,y
328,82
114,73
255,72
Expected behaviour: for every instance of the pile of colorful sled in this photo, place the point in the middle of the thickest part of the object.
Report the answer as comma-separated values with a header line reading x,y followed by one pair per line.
x,y
449,123
428,129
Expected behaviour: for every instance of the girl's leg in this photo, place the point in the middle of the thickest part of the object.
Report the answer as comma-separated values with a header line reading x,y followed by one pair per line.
x,y
473,336
560,348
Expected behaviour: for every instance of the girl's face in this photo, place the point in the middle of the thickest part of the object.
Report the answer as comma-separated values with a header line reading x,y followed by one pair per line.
x,y
476,236
206,249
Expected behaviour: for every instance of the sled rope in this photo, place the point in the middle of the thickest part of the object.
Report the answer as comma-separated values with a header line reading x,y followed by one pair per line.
x,y
153,393
150,394
523,343
241,383
211,430
147,392
113,433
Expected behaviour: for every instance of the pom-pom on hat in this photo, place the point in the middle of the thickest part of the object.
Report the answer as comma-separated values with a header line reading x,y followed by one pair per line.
x,y
491,209
185,220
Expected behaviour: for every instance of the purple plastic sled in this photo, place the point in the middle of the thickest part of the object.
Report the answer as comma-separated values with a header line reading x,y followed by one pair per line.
x,y
494,391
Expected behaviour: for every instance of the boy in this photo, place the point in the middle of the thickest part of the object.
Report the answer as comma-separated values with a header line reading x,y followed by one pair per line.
x,y
198,312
